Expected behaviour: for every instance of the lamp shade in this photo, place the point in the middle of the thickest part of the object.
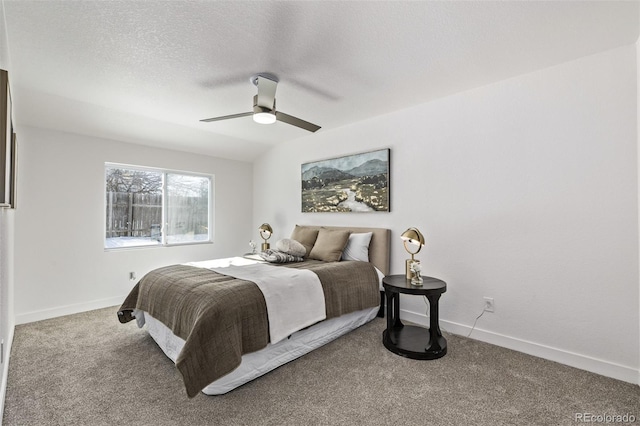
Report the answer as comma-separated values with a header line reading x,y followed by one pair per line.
x,y
414,237
265,231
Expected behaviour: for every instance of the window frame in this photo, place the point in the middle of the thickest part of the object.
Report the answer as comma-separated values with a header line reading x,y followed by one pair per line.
x,y
163,171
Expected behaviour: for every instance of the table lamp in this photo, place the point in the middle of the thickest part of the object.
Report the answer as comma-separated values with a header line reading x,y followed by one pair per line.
x,y
414,238
265,234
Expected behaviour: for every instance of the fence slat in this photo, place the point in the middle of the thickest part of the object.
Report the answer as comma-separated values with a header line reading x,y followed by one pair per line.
x,y
140,215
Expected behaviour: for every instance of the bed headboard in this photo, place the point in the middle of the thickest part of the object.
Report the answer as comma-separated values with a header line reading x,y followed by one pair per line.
x,y
378,248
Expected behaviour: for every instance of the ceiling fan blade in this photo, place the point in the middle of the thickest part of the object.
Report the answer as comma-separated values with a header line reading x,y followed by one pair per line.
x,y
286,118
227,117
266,92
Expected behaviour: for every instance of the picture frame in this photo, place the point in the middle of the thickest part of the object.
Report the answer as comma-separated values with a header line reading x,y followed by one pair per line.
x,y
351,183
8,148
14,171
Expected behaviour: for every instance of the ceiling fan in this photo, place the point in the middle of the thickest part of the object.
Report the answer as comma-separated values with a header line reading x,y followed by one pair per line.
x,y
264,105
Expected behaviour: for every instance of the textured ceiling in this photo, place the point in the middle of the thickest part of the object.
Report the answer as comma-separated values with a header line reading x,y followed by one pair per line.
x,y
148,71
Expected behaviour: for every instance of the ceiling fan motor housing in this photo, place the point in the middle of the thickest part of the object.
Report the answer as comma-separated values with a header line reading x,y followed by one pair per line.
x,y
257,108
263,115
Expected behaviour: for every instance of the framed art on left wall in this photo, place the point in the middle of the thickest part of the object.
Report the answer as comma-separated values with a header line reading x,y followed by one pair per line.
x,y
8,149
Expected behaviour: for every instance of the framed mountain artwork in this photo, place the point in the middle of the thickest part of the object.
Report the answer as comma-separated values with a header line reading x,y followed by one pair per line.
x,y
7,145
353,183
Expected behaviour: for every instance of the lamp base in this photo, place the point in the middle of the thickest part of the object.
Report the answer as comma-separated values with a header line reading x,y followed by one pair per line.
x,y
265,246
408,268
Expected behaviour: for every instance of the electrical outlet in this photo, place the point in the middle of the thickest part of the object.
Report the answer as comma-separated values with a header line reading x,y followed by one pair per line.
x,y
488,304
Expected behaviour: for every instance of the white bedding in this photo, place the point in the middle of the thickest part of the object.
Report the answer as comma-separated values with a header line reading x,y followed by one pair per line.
x,y
256,364
294,297
250,260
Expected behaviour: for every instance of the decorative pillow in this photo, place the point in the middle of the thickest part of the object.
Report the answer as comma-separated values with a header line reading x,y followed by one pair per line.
x,y
305,236
275,256
329,245
292,247
357,247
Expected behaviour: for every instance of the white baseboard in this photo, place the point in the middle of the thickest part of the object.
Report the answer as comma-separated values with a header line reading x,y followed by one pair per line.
x,y
583,362
5,371
68,310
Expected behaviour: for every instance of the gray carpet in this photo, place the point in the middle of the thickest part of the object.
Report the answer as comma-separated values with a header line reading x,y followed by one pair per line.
x,y
88,369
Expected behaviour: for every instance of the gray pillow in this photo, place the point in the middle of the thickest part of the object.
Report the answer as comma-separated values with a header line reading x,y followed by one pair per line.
x,y
329,245
292,247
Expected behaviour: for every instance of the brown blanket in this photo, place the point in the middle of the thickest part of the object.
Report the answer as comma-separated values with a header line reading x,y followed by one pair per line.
x,y
221,317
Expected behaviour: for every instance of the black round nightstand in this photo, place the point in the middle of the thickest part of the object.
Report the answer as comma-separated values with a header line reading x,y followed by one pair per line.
x,y
408,340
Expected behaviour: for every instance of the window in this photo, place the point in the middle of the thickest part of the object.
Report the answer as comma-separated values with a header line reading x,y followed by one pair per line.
x,y
151,207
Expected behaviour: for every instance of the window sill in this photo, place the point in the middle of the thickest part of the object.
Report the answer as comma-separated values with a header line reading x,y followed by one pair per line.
x,y
156,246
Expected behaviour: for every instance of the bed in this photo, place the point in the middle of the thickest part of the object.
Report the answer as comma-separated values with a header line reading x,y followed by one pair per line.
x,y
226,322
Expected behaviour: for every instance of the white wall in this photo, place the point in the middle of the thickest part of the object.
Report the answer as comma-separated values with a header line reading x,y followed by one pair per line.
x,y
6,250
526,191
60,264
638,136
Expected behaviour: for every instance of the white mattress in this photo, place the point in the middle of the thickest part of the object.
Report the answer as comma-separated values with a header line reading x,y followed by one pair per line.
x,y
256,364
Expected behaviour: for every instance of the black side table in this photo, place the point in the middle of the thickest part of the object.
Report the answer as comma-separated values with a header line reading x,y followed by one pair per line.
x,y
408,340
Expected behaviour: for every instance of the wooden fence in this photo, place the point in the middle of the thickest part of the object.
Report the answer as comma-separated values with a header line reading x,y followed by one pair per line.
x,y
140,215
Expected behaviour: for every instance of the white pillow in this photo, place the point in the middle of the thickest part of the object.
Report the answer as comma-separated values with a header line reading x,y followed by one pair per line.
x,y
292,247
357,247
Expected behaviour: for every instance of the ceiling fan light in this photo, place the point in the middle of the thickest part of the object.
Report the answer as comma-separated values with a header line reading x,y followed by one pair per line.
x,y
264,117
